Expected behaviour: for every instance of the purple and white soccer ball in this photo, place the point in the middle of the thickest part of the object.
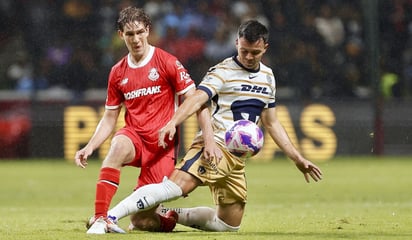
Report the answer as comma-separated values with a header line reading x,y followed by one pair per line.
x,y
244,139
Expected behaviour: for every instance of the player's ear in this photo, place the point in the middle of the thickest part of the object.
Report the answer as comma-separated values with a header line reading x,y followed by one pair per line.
x,y
120,33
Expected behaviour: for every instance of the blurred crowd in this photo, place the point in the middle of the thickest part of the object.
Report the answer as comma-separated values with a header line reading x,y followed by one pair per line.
x,y
318,48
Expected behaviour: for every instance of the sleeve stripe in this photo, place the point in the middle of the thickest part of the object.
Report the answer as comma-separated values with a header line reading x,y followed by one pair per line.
x,y
186,89
205,89
272,105
112,107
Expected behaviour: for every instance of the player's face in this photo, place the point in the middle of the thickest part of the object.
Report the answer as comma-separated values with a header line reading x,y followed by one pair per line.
x,y
250,54
135,36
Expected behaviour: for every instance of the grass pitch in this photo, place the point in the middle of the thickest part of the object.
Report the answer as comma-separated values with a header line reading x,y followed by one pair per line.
x,y
359,198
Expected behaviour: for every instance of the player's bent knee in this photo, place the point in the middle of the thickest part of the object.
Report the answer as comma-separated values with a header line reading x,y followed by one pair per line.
x,y
121,147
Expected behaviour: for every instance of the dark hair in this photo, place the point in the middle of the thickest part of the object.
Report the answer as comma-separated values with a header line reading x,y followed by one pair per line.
x,y
131,14
253,30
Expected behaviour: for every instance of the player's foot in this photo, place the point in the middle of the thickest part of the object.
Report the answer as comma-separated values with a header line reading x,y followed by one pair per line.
x,y
102,225
168,221
172,214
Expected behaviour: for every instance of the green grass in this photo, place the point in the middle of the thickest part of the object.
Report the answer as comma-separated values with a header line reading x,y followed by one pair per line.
x,y
359,198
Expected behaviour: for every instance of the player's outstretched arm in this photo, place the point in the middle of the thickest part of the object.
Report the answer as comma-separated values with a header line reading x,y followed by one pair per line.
x,y
280,136
103,130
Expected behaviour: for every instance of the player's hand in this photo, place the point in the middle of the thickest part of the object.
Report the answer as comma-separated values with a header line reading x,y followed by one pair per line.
x,y
167,131
212,152
309,170
81,157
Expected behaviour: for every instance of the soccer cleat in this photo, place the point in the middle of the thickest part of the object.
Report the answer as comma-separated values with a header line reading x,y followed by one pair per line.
x,y
172,214
168,221
99,226
102,226
113,227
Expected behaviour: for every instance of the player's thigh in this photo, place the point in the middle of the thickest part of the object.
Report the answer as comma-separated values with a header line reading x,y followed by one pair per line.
x,y
186,181
231,214
230,189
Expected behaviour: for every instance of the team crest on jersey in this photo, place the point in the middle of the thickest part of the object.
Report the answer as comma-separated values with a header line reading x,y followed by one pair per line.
x,y
153,74
201,170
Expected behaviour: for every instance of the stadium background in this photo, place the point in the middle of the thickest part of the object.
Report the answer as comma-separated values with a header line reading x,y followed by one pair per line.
x,y
343,70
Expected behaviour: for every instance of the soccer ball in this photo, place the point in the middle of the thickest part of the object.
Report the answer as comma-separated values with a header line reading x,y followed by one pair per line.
x,y
244,139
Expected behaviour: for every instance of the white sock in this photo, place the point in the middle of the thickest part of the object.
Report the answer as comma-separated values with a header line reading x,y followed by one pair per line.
x,y
218,225
145,198
203,218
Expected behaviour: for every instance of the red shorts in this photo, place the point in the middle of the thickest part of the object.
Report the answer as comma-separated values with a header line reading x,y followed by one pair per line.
x,y
154,161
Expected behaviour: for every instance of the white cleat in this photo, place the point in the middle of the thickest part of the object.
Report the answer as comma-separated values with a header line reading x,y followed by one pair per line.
x,y
114,228
98,227
102,226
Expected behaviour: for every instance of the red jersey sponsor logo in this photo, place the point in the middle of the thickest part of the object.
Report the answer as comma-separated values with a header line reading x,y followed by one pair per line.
x,y
142,92
184,76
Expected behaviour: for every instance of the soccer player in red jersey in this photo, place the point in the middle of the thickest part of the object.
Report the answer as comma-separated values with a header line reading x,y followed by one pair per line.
x,y
148,82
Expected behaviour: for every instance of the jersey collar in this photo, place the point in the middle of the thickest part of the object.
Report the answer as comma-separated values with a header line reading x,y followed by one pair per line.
x,y
142,63
241,65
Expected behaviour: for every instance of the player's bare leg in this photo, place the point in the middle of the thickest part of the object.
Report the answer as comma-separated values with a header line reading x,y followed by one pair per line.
x,y
121,152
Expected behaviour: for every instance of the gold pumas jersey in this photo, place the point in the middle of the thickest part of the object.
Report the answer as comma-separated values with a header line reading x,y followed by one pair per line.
x,y
237,93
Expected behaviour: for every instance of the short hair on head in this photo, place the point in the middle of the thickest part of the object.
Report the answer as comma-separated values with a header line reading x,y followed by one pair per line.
x,y
131,14
253,30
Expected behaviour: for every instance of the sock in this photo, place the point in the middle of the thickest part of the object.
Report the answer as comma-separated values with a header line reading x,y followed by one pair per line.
x,y
146,197
195,217
106,187
217,225
203,218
